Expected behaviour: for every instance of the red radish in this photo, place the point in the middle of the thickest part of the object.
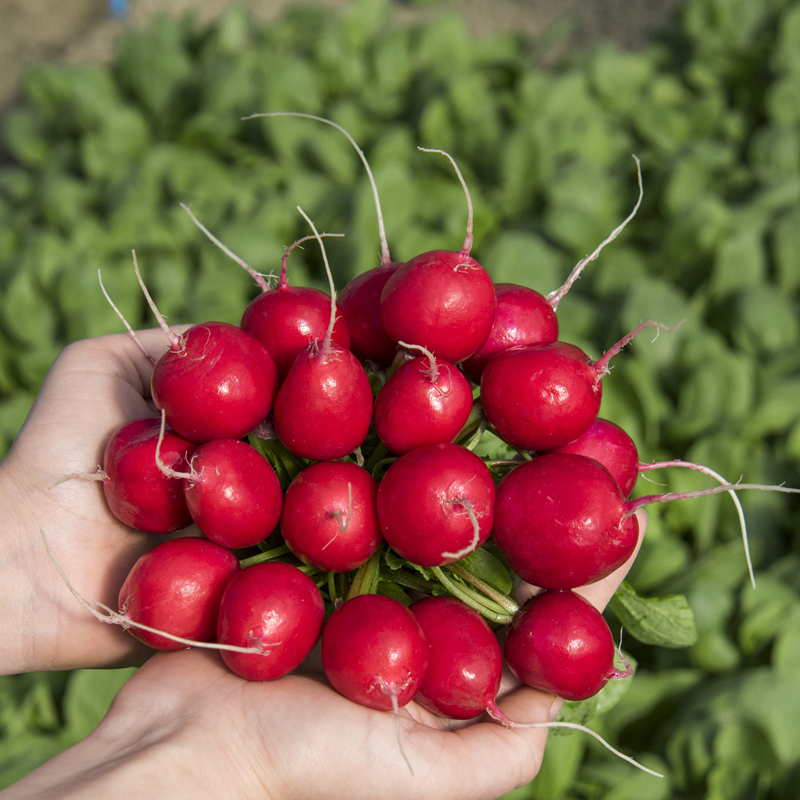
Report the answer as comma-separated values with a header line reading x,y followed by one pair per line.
x,y
215,382
324,406
374,652
329,517
612,447
232,493
541,396
435,504
137,492
616,451
288,318
177,587
561,522
359,303
442,300
275,607
523,316
285,319
560,643
426,401
465,664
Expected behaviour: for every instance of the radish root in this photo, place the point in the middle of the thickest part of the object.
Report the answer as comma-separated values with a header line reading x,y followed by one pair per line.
x,y
554,298
124,321
112,617
497,714
468,239
392,690
710,472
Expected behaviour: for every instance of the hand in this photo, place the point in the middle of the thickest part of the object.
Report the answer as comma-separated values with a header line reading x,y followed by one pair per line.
x,y
186,726
94,387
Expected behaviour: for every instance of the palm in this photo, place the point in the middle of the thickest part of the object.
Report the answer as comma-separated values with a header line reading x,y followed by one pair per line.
x,y
94,387
300,738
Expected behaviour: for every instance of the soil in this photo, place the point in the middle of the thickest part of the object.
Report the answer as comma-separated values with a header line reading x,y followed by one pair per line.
x,y
72,31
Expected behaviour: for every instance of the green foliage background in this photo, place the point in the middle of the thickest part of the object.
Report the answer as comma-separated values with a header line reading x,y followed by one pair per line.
x,y
101,157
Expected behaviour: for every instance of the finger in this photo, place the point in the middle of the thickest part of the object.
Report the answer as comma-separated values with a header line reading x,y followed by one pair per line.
x,y
487,760
598,594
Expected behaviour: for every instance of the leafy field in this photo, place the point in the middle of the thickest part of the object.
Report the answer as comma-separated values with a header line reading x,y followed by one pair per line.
x,y
102,157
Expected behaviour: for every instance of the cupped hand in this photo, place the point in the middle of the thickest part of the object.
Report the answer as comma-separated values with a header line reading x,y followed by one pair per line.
x,y
187,726
94,387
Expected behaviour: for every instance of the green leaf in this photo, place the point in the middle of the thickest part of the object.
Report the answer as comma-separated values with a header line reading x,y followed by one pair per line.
x,y
88,698
285,463
391,589
483,565
395,562
663,621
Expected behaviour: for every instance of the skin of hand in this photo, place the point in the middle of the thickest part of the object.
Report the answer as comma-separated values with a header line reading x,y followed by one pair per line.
x,y
94,387
184,724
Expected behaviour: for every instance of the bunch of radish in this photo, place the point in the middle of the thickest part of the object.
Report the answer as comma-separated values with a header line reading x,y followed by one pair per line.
x,y
325,450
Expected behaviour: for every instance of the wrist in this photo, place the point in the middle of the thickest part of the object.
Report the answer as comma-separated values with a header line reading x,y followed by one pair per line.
x,y
143,750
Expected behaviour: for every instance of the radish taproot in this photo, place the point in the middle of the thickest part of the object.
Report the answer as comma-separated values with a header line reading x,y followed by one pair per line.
x,y
560,643
436,504
524,316
231,491
136,490
442,300
177,587
323,408
425,401
275,607
329,518
541,396
359,301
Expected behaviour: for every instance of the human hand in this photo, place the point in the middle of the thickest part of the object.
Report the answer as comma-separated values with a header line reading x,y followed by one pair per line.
x,y
184,725
94,387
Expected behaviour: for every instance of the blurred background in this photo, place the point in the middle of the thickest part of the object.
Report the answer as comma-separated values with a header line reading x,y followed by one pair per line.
x,y
108,124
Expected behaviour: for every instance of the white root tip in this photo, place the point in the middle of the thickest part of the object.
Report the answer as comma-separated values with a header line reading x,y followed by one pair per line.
x,y
385,257
555,297
476,531
597,736
739,510
468,239
176,342
124,321
168,471
256,276
391,690
326,345
100,475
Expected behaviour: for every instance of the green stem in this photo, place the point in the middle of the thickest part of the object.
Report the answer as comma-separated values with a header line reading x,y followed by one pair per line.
x,y
332,586
501,599
472,599
380,452
408,579
366,578
269,555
